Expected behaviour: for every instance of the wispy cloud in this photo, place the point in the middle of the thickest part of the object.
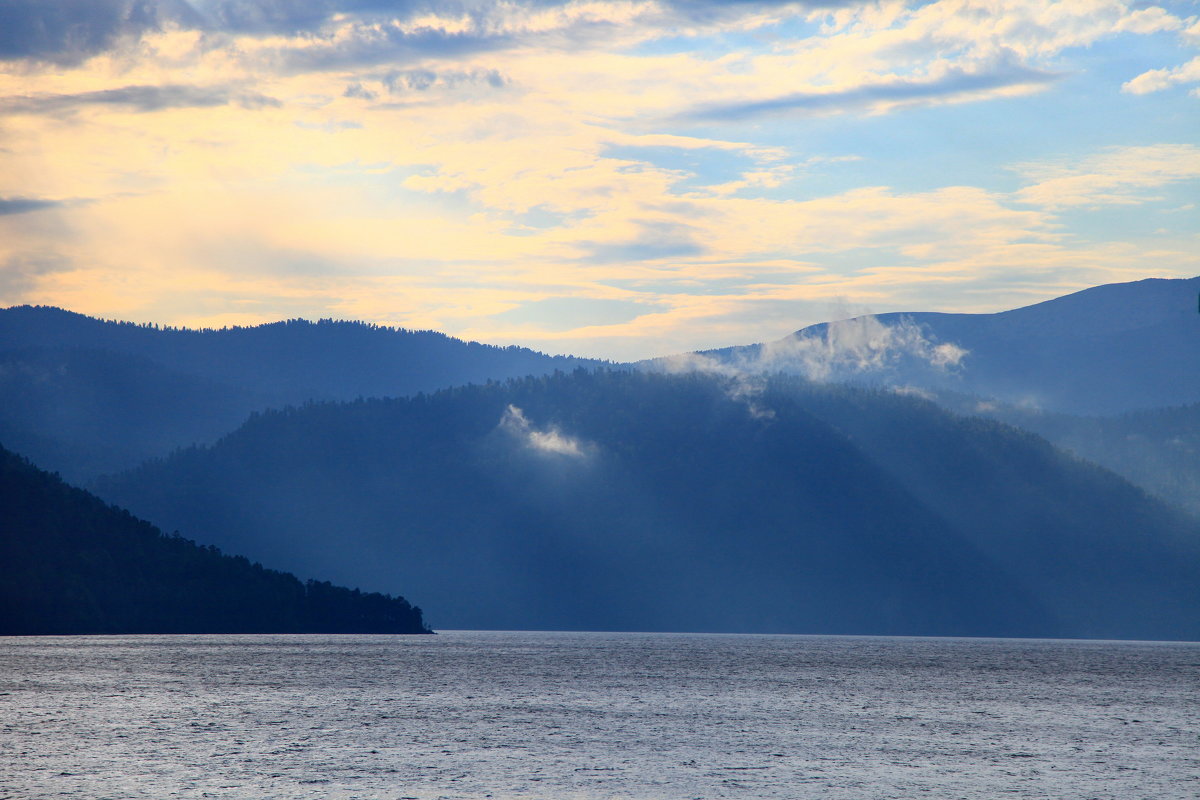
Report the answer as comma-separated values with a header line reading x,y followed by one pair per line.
x,y
138,99
550,441
21,272
862,346
954,85
23,205
833,351
855,346
655,240
1116,176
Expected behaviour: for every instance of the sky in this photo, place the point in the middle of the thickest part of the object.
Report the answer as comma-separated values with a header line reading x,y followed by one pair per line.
x,y
610,179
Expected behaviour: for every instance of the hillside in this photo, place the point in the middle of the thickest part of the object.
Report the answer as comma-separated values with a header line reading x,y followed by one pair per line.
x,y
83,396
84,412
69,563
639,501
1104,350
1157,449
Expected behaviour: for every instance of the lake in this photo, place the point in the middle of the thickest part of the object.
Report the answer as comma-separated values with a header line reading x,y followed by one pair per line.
x,y
596,715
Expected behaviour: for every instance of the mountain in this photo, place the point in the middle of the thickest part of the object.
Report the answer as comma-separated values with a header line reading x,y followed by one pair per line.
x,y
1104,350
640,501
84,412
69,563
1157,449
83,396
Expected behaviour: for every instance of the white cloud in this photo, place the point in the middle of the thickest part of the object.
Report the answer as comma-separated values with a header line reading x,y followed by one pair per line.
x,y
1116,176
844,349
914,391
1156,80
854,346
550,440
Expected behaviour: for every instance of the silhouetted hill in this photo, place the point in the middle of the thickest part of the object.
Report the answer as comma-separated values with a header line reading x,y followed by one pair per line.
x,y
70,563
85,396
641,501
1104,350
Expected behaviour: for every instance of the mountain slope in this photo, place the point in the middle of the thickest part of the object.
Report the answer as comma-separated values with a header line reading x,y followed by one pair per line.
x,y
1103,350
1157,449
642,501
84,412
70,564
84,396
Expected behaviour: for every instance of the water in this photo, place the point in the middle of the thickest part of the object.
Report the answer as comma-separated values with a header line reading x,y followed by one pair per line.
x,y
576,715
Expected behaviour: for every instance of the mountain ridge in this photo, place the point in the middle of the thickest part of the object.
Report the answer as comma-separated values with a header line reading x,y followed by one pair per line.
x,y
163,388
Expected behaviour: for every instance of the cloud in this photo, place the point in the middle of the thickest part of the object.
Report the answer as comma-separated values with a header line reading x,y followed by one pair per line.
x,y
657,239
851,347
405,81
835,350
386,43
23,205
66,32
742,385
548,441
914,391
341,34
1156,80
839,350
138,99
954,85
1114,176
19,273
277,16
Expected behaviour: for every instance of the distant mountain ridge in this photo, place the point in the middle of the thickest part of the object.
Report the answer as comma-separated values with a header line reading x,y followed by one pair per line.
x,y
636,501
291,361
71,564
1104,350
85,396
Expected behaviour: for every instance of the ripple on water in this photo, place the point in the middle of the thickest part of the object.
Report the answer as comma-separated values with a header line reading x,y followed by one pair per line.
x,y
574,715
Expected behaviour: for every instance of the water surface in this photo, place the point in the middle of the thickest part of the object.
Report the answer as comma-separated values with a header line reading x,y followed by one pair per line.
x,y
586,715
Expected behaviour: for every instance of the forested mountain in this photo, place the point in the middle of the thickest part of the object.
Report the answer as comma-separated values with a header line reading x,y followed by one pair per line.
x,y
83,396
618,500
1104,350
70,563
1157,449
84,412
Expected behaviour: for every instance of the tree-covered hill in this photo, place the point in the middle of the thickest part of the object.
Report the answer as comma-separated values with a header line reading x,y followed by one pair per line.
x,y
70,563
1157,449
85,396
619,500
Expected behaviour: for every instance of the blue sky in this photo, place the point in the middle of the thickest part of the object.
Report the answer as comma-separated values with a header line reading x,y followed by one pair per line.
x,y
614,179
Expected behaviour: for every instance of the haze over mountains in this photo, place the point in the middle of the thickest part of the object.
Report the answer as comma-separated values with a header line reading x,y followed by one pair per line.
x,y
619,500
729,496
1110,373
1157,449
